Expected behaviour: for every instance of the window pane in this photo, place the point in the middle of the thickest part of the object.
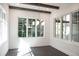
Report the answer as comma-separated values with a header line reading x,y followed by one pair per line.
x,y
1,25
22,27
68,17
20,33
40,28
1,29
58,28
75,26
66,26
31,27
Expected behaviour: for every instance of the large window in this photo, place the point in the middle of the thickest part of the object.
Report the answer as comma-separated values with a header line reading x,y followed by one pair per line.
x,y
63,27
33,27
68,27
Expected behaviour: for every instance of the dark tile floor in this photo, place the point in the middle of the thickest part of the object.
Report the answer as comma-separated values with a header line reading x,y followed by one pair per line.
x,y
38,51
15,52
12,52
47,51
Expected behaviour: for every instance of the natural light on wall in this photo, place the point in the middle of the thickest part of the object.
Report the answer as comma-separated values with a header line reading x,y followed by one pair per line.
x,y
24,47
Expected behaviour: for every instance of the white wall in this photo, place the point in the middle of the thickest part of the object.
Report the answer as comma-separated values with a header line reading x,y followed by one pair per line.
x,y
68,47
36,41
4,43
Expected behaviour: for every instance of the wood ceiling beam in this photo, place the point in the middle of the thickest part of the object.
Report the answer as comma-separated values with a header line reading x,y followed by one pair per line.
x,y
43,5
29,9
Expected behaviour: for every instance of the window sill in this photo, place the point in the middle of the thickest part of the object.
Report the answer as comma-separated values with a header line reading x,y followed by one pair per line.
x,y
31,37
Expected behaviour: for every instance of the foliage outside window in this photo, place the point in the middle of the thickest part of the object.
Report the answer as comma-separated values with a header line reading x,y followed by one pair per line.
x,y
31,27
22,27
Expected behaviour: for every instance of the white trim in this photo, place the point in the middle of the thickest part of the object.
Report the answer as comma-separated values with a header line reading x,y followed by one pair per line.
x,y
35,28
27,28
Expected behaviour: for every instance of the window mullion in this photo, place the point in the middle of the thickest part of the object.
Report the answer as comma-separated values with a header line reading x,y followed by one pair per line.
x,y
61,22
27,27
35,28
